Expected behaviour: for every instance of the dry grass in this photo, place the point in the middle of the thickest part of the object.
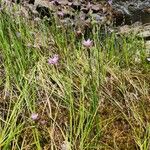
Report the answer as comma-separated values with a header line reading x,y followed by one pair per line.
x,y
100,103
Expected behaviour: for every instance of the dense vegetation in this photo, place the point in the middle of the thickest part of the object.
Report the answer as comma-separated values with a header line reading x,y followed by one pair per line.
x,y
61,91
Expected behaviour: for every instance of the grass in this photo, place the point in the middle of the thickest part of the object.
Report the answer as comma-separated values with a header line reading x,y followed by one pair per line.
x,y
85,102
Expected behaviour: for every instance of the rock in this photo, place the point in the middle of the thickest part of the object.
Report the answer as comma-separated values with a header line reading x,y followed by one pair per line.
x,y
76,5
85,10
43,3
147,46
31,2
74,10
66,14
95,8
142,31
129,12
43,11
60,14
145,34
64,2
147,10
24,1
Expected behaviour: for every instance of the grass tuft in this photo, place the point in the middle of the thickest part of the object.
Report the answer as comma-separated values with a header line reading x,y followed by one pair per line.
x,y
92,98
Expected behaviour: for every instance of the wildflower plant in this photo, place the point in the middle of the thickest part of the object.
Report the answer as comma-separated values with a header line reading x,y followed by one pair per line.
x,y
34,116
87,43
95,102
53,60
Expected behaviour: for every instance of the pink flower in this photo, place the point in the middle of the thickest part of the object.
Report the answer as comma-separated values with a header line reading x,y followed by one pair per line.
x,y
34,116
87,43
54,59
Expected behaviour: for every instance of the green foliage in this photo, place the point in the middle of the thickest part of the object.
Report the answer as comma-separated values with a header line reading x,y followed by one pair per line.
x,y
96,101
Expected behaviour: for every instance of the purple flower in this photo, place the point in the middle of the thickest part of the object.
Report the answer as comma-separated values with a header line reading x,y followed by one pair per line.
x,y
34,116
54,59
87,43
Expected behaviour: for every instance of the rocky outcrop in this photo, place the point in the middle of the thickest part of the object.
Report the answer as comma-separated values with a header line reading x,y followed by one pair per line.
x,y
130,11
82,13
73,12
140,31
